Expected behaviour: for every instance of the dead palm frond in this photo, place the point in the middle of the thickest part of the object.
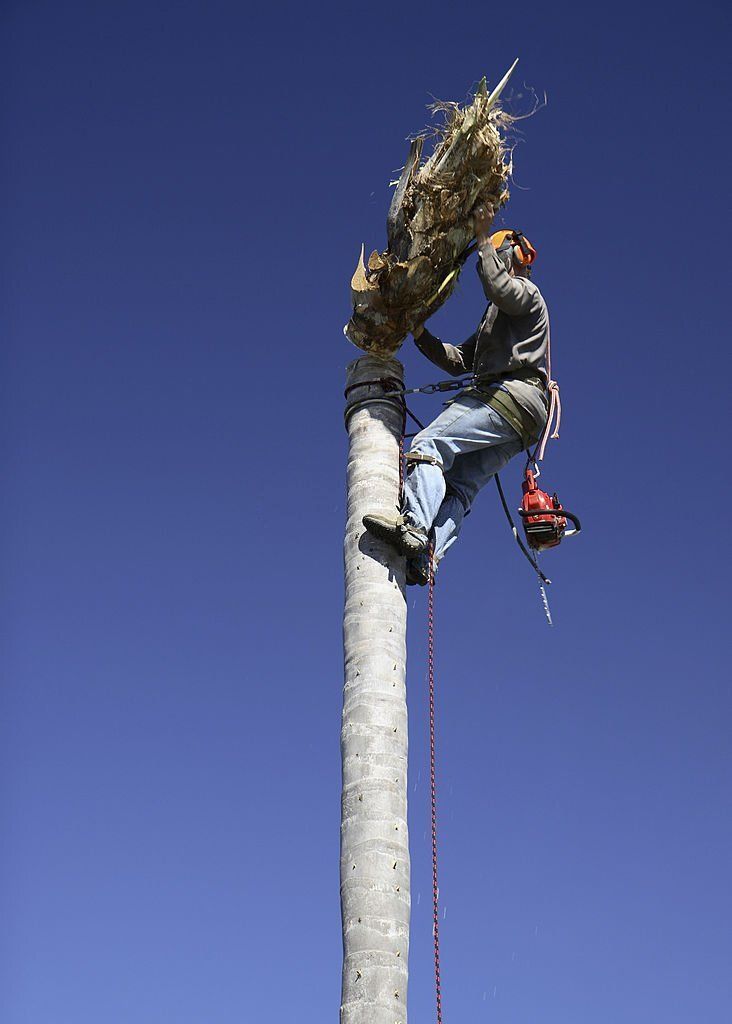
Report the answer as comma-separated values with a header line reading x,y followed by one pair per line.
x,y
429,224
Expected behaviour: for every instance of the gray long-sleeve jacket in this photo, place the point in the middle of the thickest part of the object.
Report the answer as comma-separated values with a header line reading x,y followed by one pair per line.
x,y
512,336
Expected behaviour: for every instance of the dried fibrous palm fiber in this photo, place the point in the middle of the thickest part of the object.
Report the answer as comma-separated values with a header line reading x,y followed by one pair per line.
x,y
429,225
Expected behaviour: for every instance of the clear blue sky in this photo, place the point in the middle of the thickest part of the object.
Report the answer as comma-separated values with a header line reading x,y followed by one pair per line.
x,y
185,189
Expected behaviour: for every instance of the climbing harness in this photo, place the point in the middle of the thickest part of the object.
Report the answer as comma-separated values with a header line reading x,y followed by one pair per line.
x,y
543,521
412,458
393,388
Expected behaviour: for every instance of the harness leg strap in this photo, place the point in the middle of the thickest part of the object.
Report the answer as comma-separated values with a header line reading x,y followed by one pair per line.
x,y
412,458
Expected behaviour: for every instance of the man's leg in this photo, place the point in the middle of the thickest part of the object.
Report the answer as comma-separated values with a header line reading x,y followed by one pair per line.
x,y
448,524
432,453
475,449
465,426
467,476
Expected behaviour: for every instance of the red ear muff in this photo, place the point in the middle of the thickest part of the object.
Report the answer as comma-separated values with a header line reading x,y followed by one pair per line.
x,y
524,253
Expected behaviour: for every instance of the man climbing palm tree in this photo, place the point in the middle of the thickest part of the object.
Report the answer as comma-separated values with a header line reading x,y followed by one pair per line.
x,y
502,412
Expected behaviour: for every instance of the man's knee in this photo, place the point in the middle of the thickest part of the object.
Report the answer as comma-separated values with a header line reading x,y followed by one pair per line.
x,y
461,493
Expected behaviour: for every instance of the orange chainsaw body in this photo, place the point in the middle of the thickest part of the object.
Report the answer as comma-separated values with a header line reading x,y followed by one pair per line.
x,y
543,517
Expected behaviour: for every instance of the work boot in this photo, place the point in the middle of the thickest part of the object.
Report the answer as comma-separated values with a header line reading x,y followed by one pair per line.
x,y
418,571
408,539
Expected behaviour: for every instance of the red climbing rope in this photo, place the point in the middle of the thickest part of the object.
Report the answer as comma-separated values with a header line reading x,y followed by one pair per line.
x,y
433,778
433,782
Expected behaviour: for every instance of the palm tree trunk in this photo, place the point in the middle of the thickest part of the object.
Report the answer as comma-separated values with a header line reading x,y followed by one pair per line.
x,y
375,898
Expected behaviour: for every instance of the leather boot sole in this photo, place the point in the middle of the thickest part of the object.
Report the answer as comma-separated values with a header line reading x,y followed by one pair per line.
x,y
405,539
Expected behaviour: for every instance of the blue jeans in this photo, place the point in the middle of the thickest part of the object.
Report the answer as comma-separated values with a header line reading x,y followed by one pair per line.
x,y
470,442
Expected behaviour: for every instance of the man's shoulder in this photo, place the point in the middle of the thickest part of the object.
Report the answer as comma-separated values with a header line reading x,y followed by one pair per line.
x,y
534,291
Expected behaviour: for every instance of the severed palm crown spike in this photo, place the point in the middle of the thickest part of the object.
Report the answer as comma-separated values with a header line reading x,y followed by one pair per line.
x,y
501,85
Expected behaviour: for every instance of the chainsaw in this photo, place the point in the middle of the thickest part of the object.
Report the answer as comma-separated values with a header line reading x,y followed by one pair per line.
x,y
545,526
544,518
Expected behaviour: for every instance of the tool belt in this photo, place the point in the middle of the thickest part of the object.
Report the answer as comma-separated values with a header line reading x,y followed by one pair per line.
x,y
525,373
488,389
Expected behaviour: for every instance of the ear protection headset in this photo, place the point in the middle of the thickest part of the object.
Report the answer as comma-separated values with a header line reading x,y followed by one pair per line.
x,y
524,253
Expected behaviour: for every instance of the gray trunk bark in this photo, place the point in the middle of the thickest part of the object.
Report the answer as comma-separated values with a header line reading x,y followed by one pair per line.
x,y
375,899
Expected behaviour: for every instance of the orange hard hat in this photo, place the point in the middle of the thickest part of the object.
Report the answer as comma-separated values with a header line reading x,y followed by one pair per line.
x,y
524,252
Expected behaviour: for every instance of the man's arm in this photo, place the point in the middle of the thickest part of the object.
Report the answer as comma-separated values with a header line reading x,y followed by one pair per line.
x,y
453,359
512,295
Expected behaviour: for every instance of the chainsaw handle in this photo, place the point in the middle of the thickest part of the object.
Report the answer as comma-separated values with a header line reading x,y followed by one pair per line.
x,y
573,519
527,513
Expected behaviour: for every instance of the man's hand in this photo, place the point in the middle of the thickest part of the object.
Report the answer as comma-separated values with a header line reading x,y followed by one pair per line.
x,y
483,215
